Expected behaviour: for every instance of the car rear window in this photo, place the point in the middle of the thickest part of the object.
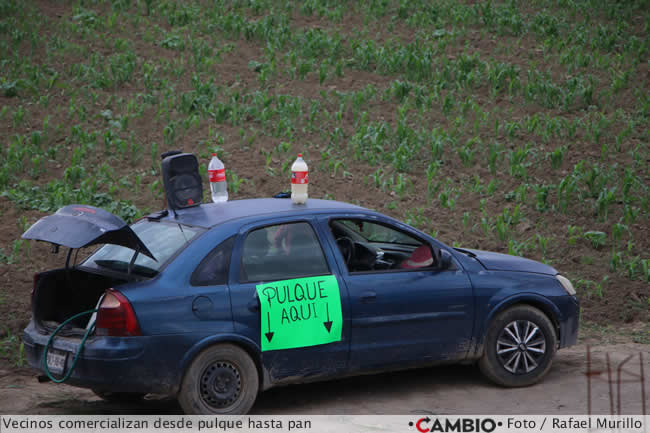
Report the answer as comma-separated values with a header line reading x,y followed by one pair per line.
x,y
163,239
213,269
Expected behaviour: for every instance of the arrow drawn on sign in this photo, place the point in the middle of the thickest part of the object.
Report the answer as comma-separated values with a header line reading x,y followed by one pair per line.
x,y
328,324
269,335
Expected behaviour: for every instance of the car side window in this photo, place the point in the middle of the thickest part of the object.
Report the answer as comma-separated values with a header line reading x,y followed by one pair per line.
x,y
374,232
213,269
368,246
282,251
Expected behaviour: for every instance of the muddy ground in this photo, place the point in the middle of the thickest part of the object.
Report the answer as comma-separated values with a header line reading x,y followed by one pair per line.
x,y
439,390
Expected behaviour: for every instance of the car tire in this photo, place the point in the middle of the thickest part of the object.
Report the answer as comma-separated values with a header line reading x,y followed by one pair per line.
x,y
221,380
519,347
119,397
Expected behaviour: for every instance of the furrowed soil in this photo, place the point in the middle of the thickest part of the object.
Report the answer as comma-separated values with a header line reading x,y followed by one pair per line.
x,y
518,128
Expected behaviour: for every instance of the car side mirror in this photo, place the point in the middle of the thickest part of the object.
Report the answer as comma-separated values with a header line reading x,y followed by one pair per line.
x,y
445,259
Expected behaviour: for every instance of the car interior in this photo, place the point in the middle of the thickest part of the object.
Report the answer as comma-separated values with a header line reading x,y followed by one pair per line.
x,y
368,246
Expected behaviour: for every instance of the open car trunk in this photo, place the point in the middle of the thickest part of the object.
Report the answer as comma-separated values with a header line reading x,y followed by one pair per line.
x,y
125,257
62,293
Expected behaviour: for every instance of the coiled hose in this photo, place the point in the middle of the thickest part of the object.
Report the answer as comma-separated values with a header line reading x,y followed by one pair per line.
x,y
89,331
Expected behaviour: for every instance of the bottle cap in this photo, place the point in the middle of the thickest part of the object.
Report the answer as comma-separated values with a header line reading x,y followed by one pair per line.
x,y
214,154
300,155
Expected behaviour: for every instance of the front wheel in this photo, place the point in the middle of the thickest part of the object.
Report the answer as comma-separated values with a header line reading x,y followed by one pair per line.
x,y
221,380
519,347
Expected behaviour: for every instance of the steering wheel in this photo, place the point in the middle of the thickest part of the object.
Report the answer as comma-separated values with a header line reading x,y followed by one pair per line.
x,y
366,255
346,246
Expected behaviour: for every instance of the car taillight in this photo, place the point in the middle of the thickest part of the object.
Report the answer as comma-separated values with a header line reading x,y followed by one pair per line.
x,y
115,317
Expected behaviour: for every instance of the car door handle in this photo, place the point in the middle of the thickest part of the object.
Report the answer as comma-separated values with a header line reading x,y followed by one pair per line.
x,y
254,304
369,296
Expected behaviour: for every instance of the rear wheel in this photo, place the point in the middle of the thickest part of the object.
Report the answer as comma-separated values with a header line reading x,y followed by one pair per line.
x,y
221,380
519,347
119,397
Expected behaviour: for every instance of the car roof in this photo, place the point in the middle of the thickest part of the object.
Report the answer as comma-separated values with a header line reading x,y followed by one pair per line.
x,y
211,214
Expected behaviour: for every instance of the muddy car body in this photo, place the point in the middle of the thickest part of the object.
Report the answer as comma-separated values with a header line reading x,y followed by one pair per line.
x,y
183,316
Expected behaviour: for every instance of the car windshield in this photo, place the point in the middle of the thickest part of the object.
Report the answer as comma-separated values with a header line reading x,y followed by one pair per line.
x,y
161,238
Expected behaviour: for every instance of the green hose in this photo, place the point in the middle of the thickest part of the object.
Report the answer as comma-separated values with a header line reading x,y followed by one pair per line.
x,y
89,331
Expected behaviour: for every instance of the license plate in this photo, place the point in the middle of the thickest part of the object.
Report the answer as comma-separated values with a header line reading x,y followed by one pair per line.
x,y
56,361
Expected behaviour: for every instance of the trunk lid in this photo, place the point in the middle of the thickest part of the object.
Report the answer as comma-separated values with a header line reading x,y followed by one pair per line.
x,y
79,226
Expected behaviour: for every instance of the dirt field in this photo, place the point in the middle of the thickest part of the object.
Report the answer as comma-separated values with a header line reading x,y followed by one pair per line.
x,y
441,390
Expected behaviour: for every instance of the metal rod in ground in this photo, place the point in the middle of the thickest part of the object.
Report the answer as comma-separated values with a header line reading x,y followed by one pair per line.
x,y
618,384
643,412
588,380
609,382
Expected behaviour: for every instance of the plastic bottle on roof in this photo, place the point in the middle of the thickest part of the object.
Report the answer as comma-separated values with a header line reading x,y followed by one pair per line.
x,y
217,177
299,180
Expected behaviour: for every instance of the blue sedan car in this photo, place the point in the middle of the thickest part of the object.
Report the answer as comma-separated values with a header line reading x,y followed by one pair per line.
x,y
217,302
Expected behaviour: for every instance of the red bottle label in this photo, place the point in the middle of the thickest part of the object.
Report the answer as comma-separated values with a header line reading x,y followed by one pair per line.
x,y
217,175
300,177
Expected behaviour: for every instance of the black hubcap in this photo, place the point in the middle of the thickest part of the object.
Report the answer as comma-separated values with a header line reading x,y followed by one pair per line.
x,y
220,384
